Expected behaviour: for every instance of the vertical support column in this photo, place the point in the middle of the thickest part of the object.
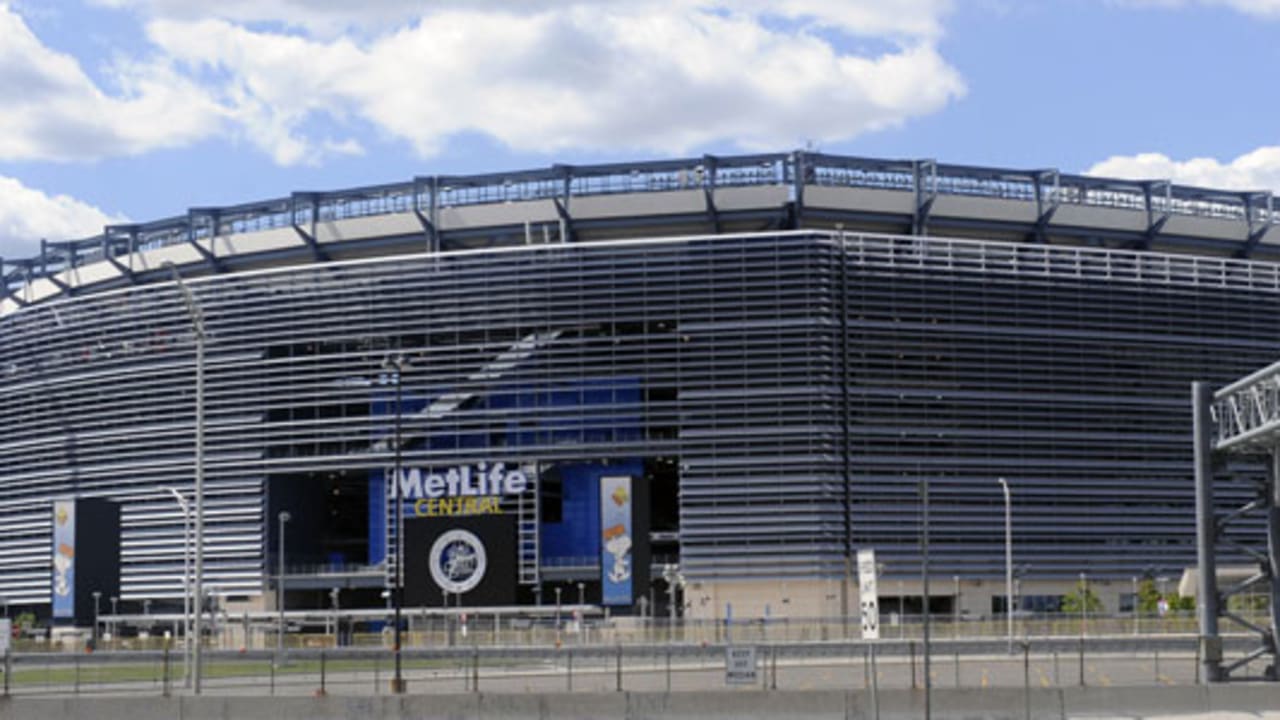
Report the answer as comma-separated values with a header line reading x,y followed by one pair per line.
x,y
1272,496
842,258
1206,533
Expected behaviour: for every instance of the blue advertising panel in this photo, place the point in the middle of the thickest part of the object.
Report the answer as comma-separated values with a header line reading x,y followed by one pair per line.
x,y
64,558
615,540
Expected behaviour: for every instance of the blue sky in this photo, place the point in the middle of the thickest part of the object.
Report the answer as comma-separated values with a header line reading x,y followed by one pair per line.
x,y
138,109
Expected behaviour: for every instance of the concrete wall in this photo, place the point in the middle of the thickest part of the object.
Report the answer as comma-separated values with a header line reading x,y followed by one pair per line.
x,y
746,704
821,598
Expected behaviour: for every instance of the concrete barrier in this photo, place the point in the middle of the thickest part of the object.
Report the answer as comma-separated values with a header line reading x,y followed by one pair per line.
x,y
947,704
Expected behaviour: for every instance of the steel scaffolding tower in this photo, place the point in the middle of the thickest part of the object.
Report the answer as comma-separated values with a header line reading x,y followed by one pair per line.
x,y
1241,419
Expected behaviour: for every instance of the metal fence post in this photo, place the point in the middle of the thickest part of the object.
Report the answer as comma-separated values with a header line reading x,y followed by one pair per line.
x,y
1198,643
271,670
1026,677
323,690
77,673
867,668
8,670
762,664
774,657
475,669
619,667
1157,664
164,673
957,667
568,666
1081,662
911,645
377,666
1057,677
668,669
875,686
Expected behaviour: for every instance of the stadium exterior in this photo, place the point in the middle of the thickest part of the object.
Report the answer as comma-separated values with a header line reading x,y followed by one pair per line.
x,y
773,350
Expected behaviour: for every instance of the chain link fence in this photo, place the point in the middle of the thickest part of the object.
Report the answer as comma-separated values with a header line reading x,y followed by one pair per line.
x,y
889,664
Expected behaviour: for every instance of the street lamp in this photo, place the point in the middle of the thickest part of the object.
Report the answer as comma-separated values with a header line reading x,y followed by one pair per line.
x,y
196,315
337,617
1084,602
186,584
1135,604
97,595
396,365
284,517
955,620
1008,558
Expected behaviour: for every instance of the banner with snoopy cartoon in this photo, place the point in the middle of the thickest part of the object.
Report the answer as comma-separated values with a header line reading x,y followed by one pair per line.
x,y
64,558
615,540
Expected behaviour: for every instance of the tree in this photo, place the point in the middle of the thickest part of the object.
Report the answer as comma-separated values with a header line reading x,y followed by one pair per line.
x,y
1082,595
1148,596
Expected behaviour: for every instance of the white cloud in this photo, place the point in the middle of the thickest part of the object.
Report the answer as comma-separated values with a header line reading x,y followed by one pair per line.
x,y
609,76
1259,8
639,75
54,111
27,215
1256,170
914,18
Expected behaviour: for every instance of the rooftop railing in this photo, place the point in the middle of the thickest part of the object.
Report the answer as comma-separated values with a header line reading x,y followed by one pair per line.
x,y
562,183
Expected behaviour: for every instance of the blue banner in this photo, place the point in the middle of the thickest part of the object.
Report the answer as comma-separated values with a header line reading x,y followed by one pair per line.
x,y
615,540
64,558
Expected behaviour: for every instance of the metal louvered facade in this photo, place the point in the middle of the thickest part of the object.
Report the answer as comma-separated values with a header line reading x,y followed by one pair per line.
x,y
802,381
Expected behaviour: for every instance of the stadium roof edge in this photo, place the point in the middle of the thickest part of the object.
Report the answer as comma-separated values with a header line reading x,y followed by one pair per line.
x,y
801,168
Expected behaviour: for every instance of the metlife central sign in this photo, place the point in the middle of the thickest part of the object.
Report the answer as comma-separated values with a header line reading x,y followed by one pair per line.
x,y
463,481
462,490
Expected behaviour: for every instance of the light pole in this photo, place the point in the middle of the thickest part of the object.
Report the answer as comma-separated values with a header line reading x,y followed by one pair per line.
x,y
396,365
1008,558
284,517
196,315
186,584
955,620
337,617
1135,604
1084,602
97,595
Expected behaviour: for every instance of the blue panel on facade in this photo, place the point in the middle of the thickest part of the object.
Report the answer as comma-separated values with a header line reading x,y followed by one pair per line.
x,y
377,517
576,538
604,417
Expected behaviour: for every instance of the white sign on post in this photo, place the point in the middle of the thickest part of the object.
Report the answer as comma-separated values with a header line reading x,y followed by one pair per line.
x,y
868,595
740,665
